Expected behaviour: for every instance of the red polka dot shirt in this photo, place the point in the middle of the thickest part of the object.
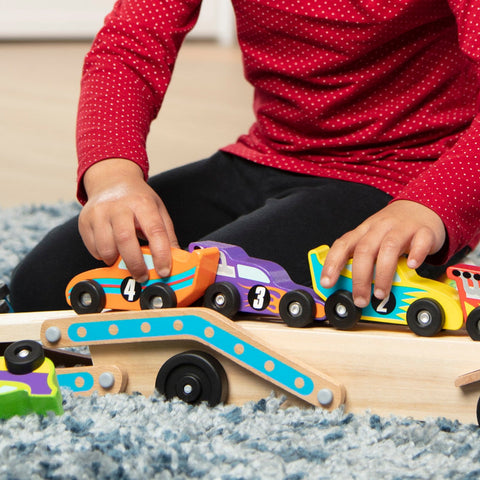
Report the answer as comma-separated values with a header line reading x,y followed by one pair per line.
x,y
380,92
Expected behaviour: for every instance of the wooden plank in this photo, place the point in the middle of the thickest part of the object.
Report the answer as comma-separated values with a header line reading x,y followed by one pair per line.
x,y
467,378
26,326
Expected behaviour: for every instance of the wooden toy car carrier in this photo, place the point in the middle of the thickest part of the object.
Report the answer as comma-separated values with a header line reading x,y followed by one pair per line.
x,y
384,369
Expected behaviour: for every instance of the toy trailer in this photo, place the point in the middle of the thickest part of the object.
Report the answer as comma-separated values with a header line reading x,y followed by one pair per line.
x,y
187,353
384,368
467,280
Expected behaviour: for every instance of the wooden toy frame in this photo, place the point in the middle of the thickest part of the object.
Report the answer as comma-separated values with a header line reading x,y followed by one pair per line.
x,y
384,369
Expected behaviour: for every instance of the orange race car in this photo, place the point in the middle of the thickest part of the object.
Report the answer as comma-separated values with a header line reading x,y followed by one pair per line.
x,y
114,288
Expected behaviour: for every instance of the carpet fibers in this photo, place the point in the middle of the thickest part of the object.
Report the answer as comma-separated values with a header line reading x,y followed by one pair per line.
x,y
134,437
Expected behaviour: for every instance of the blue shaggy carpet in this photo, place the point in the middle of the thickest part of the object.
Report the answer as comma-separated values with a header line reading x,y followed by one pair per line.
x,y
134,437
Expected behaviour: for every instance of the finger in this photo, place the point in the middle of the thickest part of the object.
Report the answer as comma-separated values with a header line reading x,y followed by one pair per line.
x,y
167,222
125,238
337,257
363,262
386,265
422,245
159,243
169,226
105,243
156,232
96,232
88,235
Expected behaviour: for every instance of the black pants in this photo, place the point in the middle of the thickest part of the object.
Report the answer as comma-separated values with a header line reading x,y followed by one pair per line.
x,y
272,214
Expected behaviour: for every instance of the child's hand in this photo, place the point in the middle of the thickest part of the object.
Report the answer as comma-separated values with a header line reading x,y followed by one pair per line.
x,y
401,227
121,206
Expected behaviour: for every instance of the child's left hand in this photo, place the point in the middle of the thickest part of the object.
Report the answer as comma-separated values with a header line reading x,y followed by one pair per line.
x,y
401,227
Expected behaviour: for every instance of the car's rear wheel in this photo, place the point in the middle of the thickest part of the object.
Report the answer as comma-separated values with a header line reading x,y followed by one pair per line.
x,y
222,297
158,295
297,309
341,311
87,297
425,317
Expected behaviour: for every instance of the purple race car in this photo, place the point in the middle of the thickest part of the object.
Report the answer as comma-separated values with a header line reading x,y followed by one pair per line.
x,y
253,285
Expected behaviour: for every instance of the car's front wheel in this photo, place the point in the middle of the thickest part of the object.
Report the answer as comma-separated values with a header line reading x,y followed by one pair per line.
x,y
158,295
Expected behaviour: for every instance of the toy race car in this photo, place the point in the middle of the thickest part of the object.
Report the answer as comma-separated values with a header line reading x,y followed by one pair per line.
x,y
426,306
28,382
253,285
467,280
114,288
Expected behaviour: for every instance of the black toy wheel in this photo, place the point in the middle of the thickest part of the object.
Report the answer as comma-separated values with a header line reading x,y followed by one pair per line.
x,y
473,324
158,295
194,377
24,357
340,310
425,317
222,297
297,309
87,297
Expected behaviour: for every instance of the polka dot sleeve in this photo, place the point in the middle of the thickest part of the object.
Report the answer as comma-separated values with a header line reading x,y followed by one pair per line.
x,y
451,187
125,76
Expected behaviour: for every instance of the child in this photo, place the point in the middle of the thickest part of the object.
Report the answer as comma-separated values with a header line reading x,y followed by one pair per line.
x,y
365,139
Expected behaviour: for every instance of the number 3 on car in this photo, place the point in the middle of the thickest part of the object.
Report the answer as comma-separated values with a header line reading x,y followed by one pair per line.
x,y
426,306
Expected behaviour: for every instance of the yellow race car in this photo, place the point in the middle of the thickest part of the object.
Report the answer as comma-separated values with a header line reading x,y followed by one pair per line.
x,y
426,306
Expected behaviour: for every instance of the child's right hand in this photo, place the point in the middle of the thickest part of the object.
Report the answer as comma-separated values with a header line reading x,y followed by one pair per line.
x,y
121,207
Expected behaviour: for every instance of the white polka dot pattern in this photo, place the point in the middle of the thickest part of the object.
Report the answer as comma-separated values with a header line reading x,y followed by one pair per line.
x,y
381,92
